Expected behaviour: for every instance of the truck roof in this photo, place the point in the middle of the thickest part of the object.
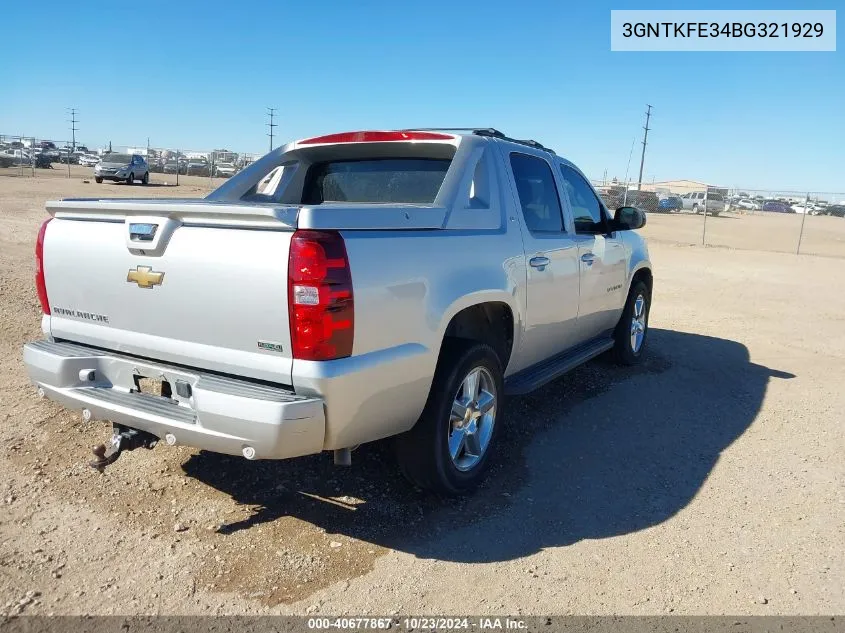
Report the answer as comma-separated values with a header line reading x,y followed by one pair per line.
x,y
417,134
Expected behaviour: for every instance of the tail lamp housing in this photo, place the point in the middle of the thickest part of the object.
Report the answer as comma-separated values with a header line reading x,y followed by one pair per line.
x,y
40,283
320,298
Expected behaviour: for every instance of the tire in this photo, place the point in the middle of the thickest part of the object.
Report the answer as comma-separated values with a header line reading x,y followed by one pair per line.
x,y
130,179
98,180
424,452
146,179
627,349
695,209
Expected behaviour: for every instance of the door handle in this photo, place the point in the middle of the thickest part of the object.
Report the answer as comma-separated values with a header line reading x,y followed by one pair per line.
x,y
588,258
539,262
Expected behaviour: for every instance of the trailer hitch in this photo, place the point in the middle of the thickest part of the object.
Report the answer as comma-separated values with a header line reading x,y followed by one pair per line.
x,y
123,439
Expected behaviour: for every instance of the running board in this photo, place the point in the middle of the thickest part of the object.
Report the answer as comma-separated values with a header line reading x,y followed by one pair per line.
x,y
545,371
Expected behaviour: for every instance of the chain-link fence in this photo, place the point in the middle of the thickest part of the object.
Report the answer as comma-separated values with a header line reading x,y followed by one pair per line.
x,y
17,155
689,212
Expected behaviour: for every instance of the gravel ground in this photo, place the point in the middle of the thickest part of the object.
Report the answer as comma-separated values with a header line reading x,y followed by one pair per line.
x,y
709,480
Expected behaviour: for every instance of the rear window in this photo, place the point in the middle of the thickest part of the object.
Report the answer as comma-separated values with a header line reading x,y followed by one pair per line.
x,y
396,180
711,195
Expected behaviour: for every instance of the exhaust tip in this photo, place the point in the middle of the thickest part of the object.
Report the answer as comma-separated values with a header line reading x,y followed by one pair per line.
x,y
41,393
86,415
249,452
170,439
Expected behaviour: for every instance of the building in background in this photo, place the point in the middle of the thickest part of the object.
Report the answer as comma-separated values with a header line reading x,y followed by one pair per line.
x,y
680,187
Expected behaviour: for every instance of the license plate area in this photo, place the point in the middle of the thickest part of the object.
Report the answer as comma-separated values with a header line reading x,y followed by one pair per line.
x,y
153,386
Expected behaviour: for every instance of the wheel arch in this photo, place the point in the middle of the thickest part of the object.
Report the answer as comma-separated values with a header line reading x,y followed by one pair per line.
x,y
489,319
643,273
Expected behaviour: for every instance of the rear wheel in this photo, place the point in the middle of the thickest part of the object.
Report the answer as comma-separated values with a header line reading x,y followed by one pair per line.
x,y
695,208
98,180
130,179
632,330
449,449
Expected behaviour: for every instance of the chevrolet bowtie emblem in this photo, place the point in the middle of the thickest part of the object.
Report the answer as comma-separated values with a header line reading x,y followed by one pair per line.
x,y
145,277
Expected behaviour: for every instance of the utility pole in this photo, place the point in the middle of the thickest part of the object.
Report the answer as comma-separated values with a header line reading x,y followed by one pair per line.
x,y
645,141
271,112
73,130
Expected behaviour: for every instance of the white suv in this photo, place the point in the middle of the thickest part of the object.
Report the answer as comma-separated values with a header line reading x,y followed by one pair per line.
x,y
122,167
698,201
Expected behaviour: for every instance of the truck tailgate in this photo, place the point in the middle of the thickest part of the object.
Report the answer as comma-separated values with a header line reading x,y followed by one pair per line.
x,y
202,292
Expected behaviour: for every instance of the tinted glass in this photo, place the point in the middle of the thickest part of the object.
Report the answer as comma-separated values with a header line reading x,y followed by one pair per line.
x,y
408,180
538,197
585,206
123,159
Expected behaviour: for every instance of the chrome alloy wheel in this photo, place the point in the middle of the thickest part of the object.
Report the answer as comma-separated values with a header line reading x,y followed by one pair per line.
x,y
638,324
472,418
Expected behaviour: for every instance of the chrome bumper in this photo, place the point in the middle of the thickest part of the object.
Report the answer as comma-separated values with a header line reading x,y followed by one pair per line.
x,y
219,414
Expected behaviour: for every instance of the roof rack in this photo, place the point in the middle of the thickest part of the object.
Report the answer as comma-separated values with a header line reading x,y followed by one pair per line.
x,y
480,131
485,131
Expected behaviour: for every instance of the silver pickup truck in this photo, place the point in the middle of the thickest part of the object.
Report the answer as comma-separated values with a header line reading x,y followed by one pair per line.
x,y
340,290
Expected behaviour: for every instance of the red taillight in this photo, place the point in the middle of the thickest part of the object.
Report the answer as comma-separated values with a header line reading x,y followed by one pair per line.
x,y
40,284
320,298
377,137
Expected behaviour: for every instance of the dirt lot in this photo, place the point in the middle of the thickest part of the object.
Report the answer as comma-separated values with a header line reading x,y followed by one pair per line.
x,y
777,232
710,480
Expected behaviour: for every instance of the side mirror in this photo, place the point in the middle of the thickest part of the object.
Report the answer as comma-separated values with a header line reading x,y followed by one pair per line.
x,y
628,219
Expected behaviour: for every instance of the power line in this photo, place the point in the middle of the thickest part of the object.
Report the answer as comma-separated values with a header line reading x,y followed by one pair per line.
x,y
73,129
271,112
645,141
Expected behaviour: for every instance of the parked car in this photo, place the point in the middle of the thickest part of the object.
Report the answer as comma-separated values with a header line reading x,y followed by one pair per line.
x,y
197,168
646,200
777,206
88,160
748,204
804,207
225,170
670,203
700,201
42,160
18,156
836,210
68,157
176,329
172,167
122,168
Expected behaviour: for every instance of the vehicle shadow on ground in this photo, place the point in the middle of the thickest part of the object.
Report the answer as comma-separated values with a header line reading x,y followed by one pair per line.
x,y
603,451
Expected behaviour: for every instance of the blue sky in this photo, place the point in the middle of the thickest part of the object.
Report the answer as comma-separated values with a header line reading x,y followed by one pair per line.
x,y
200,75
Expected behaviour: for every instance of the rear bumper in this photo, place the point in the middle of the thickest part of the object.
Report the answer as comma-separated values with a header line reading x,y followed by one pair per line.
x,y
220,414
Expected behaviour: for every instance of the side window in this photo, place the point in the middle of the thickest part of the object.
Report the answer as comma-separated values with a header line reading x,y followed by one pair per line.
x,y
538,197
585,206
